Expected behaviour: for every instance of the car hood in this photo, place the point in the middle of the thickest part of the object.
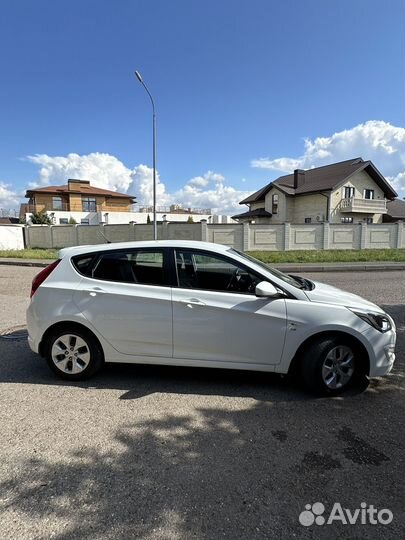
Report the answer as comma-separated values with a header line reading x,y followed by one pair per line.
x,y
327,294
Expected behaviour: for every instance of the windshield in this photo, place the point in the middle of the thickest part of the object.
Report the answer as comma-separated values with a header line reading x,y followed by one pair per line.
x,y
286,278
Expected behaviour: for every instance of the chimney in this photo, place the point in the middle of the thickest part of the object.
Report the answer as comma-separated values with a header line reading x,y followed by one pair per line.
x,y
299,178
74,185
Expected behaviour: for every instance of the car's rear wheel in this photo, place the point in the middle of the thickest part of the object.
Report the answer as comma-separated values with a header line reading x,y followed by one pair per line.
x,y
330,365
73,354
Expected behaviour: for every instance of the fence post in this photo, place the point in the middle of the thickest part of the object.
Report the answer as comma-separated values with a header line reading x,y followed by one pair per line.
x,y
326,231
363,235
400,232
165,231
287,232
246,236
204,230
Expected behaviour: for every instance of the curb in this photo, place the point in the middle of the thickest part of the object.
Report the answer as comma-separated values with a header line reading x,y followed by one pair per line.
x,y
25,262
361,267
304,267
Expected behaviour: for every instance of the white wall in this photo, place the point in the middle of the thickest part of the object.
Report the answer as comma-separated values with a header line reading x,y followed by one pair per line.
x,y
11,237
114,218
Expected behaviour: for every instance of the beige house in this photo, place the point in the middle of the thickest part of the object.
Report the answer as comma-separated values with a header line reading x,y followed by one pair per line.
x,y
350,191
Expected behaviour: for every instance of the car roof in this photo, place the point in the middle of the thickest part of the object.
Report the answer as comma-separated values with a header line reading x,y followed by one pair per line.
x,y
78,250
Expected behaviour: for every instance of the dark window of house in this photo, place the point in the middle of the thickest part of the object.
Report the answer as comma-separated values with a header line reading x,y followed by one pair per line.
x,y
84,222
136,266
196,270
307,220
349,192
63,221
347,220
274,206
369,220
89,204
57,203
369,194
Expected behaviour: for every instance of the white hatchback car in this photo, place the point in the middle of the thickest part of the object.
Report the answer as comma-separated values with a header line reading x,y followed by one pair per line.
x,y
190,303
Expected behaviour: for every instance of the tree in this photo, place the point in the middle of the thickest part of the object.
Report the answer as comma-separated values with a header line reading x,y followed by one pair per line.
x,y
41,218
72,221
148,220
190,219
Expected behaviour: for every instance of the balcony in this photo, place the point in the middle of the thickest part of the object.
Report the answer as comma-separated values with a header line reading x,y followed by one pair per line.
x,y
27,208
364,206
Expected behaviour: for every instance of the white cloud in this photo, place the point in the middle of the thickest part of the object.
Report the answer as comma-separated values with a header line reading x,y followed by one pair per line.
x,y
381,142
106,171
8,199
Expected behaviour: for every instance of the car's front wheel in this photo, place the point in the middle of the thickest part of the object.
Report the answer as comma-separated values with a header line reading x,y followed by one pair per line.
x,y
329,365
73,354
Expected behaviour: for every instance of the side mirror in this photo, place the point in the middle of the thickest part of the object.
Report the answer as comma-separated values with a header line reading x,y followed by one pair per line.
x,y
264,289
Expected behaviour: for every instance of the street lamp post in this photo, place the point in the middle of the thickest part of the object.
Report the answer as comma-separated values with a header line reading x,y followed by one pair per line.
x,y
139,77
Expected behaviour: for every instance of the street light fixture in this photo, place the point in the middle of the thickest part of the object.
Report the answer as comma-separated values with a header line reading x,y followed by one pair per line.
x,y
139,77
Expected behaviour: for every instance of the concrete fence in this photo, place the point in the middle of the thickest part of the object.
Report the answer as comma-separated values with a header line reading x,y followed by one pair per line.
x,y
246,237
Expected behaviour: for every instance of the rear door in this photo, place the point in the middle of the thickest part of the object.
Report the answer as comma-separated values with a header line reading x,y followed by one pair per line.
x,y
126,296
218,318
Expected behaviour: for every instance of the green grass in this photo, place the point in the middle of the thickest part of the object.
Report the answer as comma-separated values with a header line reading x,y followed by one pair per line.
x,y
35,253
330,256
333,256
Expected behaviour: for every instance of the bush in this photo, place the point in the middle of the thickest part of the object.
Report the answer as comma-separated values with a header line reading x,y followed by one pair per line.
x,y
41,218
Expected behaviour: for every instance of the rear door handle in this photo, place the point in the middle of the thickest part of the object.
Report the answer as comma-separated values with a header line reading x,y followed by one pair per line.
x,y
96,291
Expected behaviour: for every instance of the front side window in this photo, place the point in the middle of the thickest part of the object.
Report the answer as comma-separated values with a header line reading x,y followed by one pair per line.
x,y
274,206
369,194
196,270
57,203
89,204
144,267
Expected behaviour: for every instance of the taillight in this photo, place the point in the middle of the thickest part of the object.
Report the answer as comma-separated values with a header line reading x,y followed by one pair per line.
x,y
41,277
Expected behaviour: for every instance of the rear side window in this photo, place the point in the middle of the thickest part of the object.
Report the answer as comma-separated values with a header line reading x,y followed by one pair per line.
x,y
145,267
83,264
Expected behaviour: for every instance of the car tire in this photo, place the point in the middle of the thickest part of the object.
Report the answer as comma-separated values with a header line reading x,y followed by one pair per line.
x,y
73,353
329,366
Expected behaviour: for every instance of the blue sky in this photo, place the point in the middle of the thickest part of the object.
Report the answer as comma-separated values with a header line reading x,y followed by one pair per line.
x,y
234,81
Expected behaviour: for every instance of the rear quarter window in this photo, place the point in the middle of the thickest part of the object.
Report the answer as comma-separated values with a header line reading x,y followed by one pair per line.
x,y
83,264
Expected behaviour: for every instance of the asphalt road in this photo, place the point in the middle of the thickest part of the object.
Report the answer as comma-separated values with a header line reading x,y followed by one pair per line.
x,y
174,453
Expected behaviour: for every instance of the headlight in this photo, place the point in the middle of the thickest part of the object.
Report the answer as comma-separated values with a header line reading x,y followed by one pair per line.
x,y
377,320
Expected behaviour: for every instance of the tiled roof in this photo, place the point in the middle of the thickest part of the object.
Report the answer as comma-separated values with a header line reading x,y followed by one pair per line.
x,y
84,188
259,212
396,209
323,178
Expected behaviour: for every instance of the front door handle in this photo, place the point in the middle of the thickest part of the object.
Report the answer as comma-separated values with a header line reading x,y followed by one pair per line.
x,y
193,302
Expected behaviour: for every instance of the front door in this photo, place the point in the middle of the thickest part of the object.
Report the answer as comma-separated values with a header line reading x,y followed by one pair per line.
x,y
216,315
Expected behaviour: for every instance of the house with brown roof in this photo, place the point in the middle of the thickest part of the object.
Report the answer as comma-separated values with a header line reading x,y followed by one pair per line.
x,y
79,200
350,191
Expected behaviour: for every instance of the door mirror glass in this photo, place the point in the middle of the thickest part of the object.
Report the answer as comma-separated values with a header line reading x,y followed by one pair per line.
x,y
264,289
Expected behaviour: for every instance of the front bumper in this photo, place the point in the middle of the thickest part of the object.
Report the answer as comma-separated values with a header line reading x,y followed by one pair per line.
x,y
381,349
